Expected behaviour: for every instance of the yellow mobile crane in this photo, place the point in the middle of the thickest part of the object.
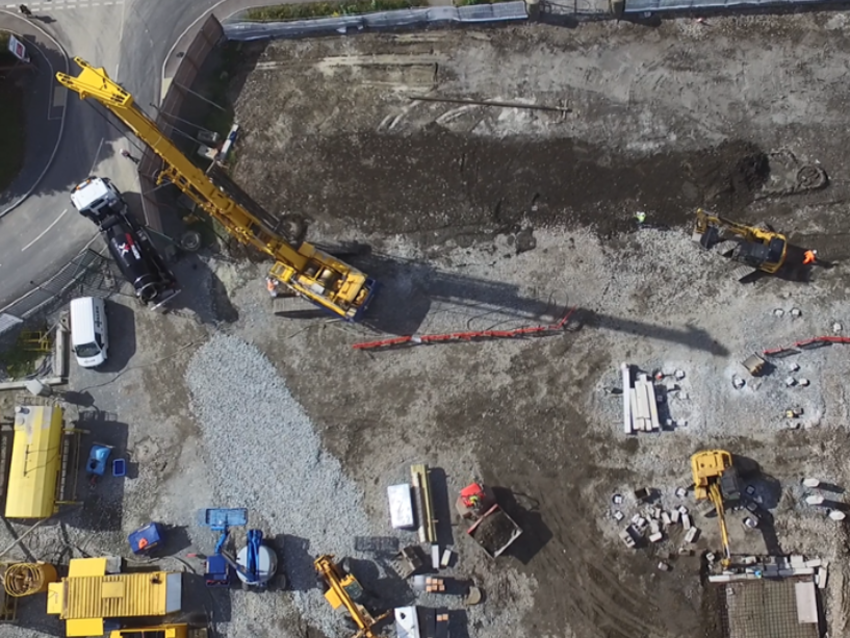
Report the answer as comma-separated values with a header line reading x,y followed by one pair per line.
x,y
306,271
716,479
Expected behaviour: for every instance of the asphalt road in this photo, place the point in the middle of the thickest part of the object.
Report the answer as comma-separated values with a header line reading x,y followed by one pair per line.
x,y
130,39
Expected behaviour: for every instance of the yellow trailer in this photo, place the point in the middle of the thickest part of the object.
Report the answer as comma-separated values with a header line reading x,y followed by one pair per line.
x,y
160,631
42,449
89,594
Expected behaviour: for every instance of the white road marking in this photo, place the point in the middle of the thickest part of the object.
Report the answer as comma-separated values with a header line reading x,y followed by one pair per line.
x,y
121,35
44,232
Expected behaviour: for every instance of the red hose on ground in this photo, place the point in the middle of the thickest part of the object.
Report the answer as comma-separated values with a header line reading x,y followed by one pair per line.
x,y
464,336
807,343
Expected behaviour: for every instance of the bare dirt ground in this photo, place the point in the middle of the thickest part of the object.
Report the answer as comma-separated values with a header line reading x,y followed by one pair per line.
x,y
485,217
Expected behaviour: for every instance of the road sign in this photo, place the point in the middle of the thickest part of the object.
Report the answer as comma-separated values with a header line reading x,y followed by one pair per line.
x,y
18,49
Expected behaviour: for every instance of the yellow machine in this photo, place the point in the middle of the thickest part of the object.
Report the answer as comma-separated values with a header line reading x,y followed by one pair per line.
x,y
757,248
26,579
161,631
44,453
716,479
304,270
93,591
344,591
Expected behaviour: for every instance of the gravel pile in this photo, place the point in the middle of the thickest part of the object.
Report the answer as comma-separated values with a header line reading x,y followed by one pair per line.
x,y
264,454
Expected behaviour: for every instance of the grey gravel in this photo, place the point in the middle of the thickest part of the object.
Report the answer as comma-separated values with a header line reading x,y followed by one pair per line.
x,y
265,455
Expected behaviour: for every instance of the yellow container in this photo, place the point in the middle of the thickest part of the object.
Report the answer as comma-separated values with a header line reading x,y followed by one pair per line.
x,y
36,462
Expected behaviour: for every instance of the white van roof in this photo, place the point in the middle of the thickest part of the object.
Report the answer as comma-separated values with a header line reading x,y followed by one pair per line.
x,y
82,319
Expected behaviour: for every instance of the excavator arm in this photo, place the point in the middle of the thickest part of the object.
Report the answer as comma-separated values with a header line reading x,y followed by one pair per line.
x,y
308,272
717,500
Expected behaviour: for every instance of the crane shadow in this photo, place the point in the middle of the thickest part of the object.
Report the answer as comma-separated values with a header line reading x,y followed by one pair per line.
x,y
412,292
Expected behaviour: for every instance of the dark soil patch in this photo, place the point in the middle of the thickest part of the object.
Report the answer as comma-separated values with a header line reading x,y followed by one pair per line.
x,y
449,181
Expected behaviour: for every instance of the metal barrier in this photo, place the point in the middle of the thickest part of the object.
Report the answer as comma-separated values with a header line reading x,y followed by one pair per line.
x,y
660,6
499,12
89,273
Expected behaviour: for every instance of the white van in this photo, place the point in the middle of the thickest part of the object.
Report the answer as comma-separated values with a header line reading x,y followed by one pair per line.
x,y
89,336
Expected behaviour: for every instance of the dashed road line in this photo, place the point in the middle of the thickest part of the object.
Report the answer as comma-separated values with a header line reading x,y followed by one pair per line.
x,y
44,232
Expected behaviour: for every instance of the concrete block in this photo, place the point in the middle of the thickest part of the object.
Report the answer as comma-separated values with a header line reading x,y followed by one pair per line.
x,y
654,528
811,482
642,404
653,405
821,576
656,512
720,578
656,537
628,538
627,408
681,492
674,516
686,522
447,557
790,381
401,506
682,509
807,606
803,382
435,556
665,518
618,516
633,411
664,567
797,560
813,562
691,535
814,499
406,622
837,515
679,374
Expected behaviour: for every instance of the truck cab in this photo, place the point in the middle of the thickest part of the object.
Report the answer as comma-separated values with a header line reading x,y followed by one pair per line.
x,y
96,198
131,248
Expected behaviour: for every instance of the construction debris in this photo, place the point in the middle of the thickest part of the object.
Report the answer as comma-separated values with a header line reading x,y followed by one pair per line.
x,y
754,364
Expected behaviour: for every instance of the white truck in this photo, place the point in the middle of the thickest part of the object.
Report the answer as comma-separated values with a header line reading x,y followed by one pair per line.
x,y
99,200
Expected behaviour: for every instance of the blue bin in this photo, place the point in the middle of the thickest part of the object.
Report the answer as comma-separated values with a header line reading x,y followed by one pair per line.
x,y
146,539
119,467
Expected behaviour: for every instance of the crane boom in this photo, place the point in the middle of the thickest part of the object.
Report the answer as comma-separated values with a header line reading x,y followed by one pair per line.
x,y
305,270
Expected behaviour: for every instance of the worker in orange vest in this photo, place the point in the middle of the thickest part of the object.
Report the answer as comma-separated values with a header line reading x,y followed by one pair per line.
x,y
809,257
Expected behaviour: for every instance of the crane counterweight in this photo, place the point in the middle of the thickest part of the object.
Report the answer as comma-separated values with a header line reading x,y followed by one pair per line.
x,y
308,272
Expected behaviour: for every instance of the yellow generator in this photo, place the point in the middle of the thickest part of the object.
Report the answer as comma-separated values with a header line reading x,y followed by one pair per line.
x,y
161,631
94,590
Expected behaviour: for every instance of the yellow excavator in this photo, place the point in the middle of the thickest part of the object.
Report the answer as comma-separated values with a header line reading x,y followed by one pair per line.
x,y
304,270
343,590
716,479
754,248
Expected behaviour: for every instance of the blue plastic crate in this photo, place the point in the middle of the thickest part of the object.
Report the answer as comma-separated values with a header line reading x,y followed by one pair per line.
x,y
119,467
146,539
